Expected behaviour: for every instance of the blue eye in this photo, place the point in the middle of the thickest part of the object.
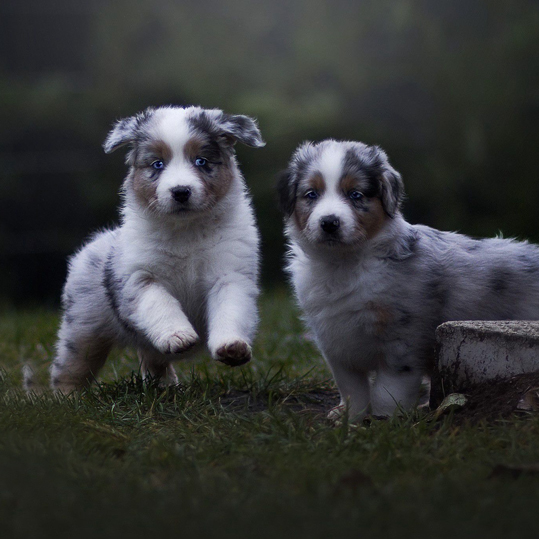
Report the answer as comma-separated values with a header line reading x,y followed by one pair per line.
x,y
201,162
311,194
158,165
355,195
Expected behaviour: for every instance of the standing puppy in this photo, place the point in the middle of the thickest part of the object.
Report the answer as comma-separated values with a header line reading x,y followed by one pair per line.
x,y
374,288
182,268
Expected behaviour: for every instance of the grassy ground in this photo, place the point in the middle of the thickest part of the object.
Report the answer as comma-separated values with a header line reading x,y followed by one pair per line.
x,y
245,453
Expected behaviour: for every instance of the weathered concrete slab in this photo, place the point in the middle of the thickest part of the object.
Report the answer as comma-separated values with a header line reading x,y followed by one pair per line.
x,y
472,352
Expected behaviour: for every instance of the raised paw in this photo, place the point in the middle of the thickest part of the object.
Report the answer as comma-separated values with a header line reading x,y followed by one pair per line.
x,y
234,353
178,342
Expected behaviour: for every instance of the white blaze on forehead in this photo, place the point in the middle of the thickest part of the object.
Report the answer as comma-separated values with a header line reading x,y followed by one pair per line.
x,y
330,165
171,126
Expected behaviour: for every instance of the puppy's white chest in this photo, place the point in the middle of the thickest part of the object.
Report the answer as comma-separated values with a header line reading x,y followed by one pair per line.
x,y
338,289
184,270
345,311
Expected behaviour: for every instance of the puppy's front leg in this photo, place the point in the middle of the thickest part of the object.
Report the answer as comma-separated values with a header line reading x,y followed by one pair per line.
x,y
354,390
156,313
232,320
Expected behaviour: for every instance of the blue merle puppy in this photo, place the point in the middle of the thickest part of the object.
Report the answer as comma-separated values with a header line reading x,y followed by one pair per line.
x,y
181,270
373,288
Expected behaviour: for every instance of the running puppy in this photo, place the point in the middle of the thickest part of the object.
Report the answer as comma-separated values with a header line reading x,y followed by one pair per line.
x,y
373,288
182,268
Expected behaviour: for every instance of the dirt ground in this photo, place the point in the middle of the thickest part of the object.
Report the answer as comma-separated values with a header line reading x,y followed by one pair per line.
x,y
500,399
485,402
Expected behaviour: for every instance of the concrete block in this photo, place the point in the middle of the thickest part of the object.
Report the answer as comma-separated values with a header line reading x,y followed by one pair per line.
x,y
472,352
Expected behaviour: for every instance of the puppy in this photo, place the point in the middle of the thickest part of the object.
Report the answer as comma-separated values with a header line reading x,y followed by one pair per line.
x,y
182,268
373,288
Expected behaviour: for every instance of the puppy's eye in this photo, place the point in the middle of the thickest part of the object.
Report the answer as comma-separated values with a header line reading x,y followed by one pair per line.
x,y
312,195
355,195
158,165
201,162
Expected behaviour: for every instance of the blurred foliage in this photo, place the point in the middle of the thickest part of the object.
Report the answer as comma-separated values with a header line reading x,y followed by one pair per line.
x,y
449,89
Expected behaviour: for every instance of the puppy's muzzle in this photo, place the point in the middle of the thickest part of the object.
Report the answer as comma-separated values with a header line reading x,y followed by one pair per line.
x,y
181,194
330,224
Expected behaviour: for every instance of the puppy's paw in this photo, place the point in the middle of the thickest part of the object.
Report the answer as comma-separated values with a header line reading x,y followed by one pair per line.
x,y
337,412
178,342
234,353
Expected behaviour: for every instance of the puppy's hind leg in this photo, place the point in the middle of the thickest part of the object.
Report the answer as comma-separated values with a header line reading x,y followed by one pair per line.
x,y
395,389
79,358
154,366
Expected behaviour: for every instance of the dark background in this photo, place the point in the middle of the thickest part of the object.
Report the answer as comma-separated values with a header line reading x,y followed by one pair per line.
x,y
449,89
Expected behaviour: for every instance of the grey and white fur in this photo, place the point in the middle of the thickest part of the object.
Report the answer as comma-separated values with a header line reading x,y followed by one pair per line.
x,y
373,287
182,267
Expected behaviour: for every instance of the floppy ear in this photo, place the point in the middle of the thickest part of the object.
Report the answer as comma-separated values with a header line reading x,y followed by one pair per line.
x,y
121,134
287,191
240,128
392,190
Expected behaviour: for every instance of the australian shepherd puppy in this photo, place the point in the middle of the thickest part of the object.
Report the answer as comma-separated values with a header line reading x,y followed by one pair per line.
x,y
182,268
373,288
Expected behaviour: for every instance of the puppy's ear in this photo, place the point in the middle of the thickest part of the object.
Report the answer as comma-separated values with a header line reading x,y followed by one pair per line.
x,y
125,131
287,191
376,164
240,128
121,134
392,190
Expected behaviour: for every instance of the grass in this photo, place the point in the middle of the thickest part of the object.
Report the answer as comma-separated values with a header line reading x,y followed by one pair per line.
x,y
244,452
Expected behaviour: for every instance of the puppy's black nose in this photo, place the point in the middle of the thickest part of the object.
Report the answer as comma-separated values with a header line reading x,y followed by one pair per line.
x,y
181,194
330,224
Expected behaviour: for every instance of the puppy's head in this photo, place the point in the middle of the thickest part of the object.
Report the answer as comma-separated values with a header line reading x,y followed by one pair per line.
x,y
339,193
181,159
